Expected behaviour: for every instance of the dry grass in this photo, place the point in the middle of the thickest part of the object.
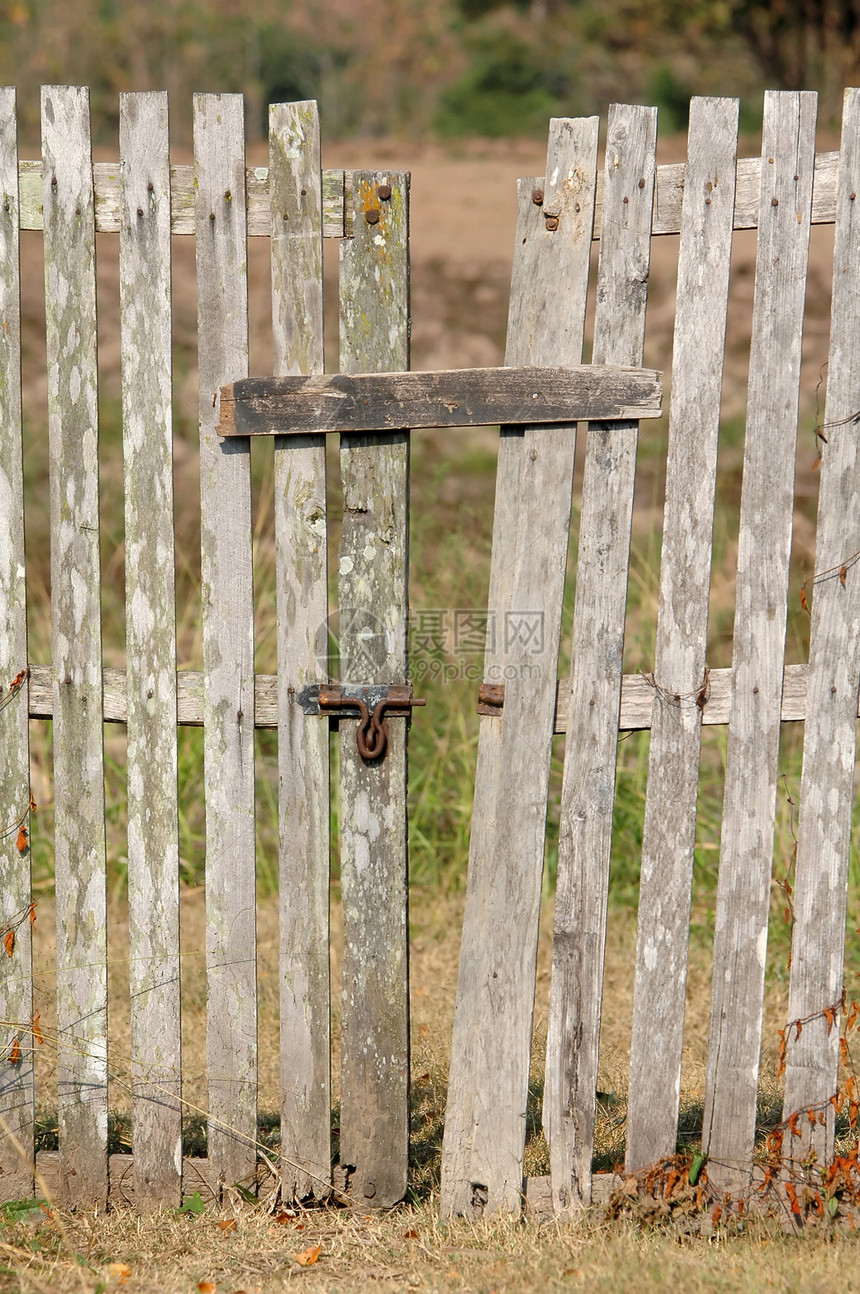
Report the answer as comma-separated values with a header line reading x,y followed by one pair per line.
x,y
247,1249
241,1247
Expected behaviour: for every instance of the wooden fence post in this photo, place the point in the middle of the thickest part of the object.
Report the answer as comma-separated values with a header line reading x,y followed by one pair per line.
x,y
764,543
680,692
302,591
16,984
228,644
153,819
485,1119
372,602
588,785
827,785
70,297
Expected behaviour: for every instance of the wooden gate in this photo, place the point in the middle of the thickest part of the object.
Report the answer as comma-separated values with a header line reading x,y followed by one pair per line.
x,y
705,200
147,201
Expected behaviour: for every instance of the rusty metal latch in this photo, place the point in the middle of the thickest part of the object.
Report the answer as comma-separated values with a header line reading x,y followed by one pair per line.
x,y
491,698
372,704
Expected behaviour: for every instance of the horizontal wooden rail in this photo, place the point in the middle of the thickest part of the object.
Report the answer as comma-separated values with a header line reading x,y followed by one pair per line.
x,y
637,696
338,206
337,199
469,397
671,180
638,692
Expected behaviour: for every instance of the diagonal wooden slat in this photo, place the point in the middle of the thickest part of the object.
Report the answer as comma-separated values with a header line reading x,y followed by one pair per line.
x,y
302,593
743,894
588,784
228,644
484,1142
669,833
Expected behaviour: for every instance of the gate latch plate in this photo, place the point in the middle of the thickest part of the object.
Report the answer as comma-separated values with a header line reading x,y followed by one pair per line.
x,y
370,704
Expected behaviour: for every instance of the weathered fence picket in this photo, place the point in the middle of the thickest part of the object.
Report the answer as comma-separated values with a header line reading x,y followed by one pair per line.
x,y
222,202
669,830
595,695
764,543
484,1141
302,593
228,644
373,571
80,864
153,819
827,785
16,1079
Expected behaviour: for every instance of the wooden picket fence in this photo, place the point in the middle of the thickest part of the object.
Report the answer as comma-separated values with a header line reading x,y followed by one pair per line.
x,y
221,203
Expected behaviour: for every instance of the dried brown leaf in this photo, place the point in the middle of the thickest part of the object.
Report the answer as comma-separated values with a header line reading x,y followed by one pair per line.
x,y
308,1256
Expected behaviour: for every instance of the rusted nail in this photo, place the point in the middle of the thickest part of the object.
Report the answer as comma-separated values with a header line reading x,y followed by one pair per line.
x,y
774,202
491,698
384,192
853,196
537,197
372,215
641,184
140,211
552,223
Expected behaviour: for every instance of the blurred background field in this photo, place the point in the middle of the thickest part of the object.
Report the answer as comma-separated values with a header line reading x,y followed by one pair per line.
x,y
452,69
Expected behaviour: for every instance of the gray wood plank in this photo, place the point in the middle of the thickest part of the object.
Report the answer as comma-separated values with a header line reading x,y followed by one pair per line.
x,y
637,698
449,398
16,985
337,187
372,606
153,820
669,833
743,893
671,183
588,784
228,643
827,784
302,600
484,1140
70,293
